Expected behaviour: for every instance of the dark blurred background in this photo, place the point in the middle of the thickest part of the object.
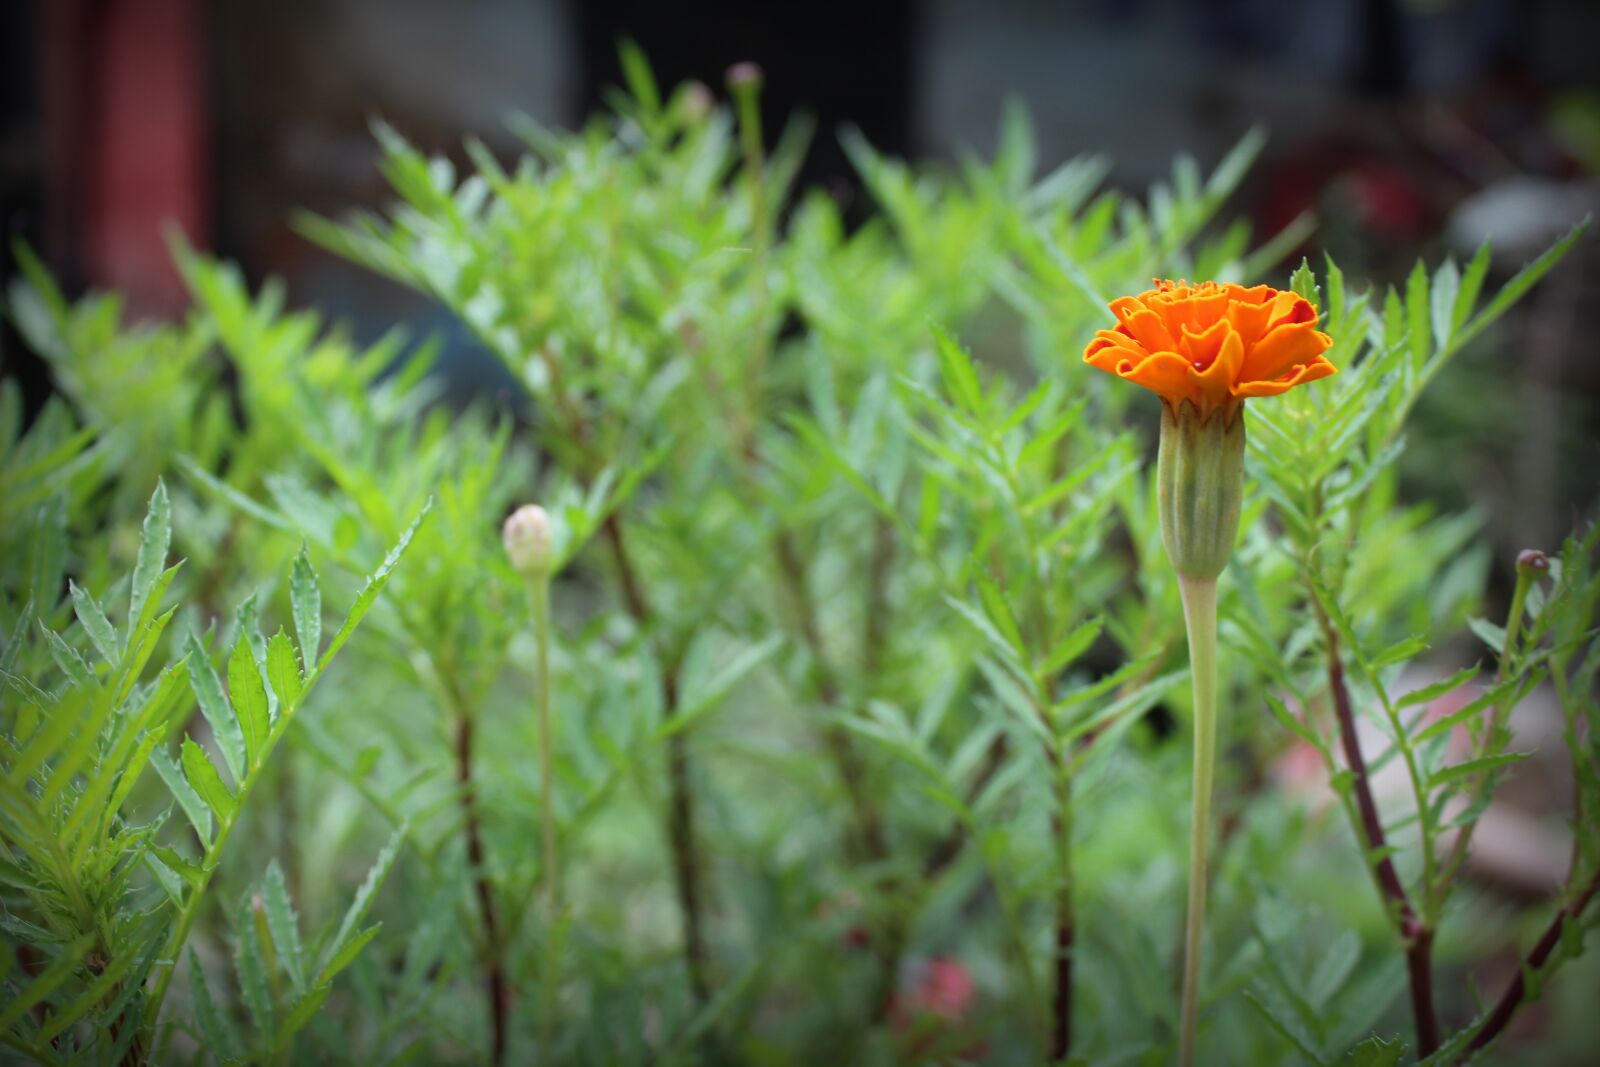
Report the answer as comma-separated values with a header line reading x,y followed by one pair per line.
x,y
1408,126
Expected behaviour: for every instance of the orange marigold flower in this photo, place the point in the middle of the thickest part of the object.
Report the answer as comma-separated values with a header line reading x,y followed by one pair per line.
x,y
1212,344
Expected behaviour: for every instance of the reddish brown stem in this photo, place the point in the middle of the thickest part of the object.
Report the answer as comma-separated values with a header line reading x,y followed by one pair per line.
x,y
869,825
1417,938
680,802
1061,1038
499,993
1061,1002
1517,991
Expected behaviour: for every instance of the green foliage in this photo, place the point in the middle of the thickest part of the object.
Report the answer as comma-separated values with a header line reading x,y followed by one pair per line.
x,y
866,655
101,892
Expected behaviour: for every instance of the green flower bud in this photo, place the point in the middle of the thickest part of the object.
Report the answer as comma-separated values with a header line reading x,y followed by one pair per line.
x,y
528,540
1200,479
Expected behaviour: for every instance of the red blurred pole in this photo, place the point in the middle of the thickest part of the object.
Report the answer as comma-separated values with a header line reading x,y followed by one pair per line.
x,y
126,155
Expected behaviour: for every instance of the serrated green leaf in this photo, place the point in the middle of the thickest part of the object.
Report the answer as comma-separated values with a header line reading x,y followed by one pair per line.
x,y
1401,651
305,598
1286,1025
1507,690
1471,285
67,658
960,376
1442,305
155,536
214,706
173,861
348,952
1417,314
284,924
1429,693
251,968
206,781
195,808
101,633
357,912
636,72
1072,646
1474,767
1524,280
703,700
218,1030
283,672
999,612
369,592
1303,283
249,701
47,557
302,1011
1290,722
1490,634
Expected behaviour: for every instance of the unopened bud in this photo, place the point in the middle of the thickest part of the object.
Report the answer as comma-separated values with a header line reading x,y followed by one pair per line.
x,y
1532,563
528,541
744,76
695,102
1200,481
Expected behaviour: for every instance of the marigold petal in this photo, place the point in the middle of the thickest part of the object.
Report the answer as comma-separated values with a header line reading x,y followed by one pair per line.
x,y
1254,295
1197,309
1290,307
1283,347
1217,379
1146,327
1110,347
1308,372
1250,318
1202,346
1166,373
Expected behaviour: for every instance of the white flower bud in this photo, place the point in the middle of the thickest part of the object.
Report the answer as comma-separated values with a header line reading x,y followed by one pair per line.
x,y
528,540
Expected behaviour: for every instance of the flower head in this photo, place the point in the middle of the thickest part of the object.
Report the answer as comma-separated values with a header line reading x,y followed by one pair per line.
x,y
1212,344
528,540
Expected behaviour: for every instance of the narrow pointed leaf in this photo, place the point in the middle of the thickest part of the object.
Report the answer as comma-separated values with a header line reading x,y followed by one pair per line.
x,y
284,924
154,539
214,706
357,912
369,592
206,781
249,701
283,672
305,598
194,807
101,633
218,1030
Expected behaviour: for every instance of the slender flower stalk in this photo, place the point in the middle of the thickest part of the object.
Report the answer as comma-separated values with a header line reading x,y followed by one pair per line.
x,y
1200,617
1200,479
529,545
1204,349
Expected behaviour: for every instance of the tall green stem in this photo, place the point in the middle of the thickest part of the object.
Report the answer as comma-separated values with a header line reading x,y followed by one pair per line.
x,y
539,590
1200,617
539,598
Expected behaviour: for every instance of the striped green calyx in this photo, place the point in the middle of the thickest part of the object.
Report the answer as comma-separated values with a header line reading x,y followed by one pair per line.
x,y
1200,475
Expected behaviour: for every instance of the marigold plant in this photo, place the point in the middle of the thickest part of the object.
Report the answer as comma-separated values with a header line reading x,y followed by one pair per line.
x,y
847,696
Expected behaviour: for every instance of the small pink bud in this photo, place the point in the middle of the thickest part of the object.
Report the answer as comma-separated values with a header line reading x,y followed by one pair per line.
x,y
695,101
528,541
746,75
1532,562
